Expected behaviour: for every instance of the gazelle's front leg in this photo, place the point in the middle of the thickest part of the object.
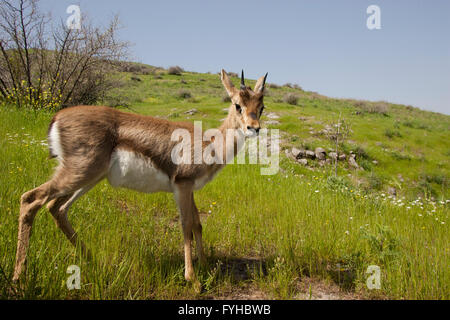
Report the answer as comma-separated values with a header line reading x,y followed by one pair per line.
x,y
198,232
183,198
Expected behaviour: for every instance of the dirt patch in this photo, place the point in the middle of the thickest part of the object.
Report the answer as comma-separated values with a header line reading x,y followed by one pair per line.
x,y
248,291
319,289
243,269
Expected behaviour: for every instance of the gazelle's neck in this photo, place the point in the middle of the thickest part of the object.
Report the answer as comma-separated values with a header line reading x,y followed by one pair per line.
x,y
230,130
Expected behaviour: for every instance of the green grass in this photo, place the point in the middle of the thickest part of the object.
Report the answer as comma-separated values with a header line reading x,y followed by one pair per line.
x,y
266,233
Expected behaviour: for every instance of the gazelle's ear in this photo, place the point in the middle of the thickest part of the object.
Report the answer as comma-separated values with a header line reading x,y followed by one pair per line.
x,y
260,84
231,89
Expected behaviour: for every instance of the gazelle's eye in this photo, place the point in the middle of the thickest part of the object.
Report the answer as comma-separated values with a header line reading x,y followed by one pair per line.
x,y
238,108
261,111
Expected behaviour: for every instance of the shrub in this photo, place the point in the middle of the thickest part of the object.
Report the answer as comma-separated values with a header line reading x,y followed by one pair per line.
x,y
291,98
338,183
400,156
48,66
175,70
372,107
226,98
273,86
361,153
379,107
184,94
390,133
365,164
374,182
415,125
437,178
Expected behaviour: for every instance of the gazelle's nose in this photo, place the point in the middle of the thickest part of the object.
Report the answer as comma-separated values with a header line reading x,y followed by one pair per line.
x,y
252,128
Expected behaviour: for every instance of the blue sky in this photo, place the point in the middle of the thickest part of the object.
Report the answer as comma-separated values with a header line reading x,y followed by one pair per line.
x,y
323,46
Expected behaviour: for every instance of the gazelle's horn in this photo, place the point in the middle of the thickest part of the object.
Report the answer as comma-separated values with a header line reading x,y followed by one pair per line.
x,y
264,83
243,87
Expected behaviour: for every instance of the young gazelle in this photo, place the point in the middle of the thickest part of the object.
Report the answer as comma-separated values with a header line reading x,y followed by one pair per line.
x,y
132,151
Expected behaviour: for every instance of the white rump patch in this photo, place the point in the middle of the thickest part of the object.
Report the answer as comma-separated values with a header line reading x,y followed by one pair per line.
x,y
54,141
133,171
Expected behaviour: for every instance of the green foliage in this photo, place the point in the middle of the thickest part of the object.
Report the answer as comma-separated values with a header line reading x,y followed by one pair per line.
x,y
291,98
383,243
297,224
184,94
390,133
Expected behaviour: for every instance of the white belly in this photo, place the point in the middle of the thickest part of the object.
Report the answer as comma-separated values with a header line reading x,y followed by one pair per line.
x,y
133,171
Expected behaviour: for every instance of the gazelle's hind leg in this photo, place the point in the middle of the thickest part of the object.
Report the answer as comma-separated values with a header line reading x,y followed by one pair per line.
x,y
30,203
59,208
63,184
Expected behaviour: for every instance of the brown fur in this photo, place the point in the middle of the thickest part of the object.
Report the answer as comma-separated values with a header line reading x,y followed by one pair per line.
x,y
88,137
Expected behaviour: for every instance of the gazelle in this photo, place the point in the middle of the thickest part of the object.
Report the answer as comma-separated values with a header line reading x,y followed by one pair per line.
x,y
132,151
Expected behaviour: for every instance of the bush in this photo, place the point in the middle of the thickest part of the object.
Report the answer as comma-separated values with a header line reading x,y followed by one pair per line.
x,y
372,107
226,98
136,68
374,182
184,94
273,86
437,178
175,71
48,66
361,153
338,183
390,133
415,125
365,164
400,156
291,98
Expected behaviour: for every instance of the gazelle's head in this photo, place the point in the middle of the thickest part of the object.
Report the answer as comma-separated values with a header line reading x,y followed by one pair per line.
x,y
247,104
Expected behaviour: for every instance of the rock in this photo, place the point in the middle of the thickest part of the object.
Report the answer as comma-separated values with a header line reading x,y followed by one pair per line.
x,y
392,191
328,161
322,163
310,154
320,153
342,157
303,161
333,155
298,153
375,162
271,122
272,115
352,163
191,112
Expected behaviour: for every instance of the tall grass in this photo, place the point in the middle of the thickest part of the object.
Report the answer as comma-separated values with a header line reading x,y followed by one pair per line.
x,y
280,228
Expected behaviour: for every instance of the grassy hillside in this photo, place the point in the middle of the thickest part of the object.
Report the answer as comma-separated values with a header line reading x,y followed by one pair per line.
x,y
299,234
